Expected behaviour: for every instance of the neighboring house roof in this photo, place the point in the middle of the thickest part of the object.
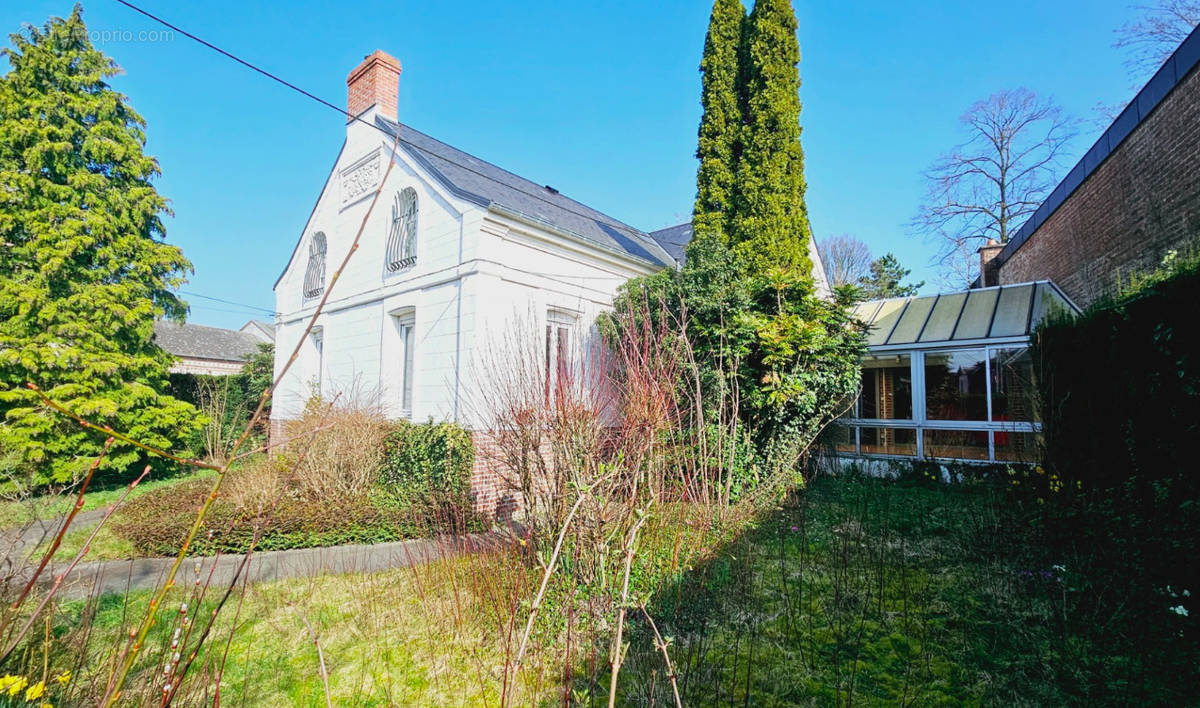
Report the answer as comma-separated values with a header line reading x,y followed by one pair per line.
x,y
487,185
200,342
674,240
961,317
265,331
1185,58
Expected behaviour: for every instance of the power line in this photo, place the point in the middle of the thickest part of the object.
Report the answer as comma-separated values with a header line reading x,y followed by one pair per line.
x,y
227,302
341,111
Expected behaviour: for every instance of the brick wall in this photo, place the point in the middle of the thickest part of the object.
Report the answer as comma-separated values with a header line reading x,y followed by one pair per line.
x,y
1143,201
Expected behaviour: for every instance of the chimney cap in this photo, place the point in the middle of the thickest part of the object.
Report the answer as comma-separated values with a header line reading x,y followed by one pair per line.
x,y
378,56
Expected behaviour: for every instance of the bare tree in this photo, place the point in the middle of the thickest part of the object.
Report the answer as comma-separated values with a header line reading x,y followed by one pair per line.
x,y
1150,39
987,186
846,259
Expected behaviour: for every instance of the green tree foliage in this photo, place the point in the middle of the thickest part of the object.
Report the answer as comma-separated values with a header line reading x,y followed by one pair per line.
x,y
775,361
84,272
886,279
771,221
721,124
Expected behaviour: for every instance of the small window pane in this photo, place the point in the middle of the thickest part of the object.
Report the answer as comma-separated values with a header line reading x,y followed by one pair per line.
x,y
888,441
945,315
889,312
1013,386
842,438
886,388
956,385
1017,447
913,320
957,444
976,317
1012,311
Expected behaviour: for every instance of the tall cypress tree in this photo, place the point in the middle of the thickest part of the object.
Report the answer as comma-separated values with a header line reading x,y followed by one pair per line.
x,y
84,272
770,222
721,96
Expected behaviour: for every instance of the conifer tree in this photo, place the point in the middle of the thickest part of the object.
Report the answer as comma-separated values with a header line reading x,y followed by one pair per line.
x,y
770,223
721,123
84,272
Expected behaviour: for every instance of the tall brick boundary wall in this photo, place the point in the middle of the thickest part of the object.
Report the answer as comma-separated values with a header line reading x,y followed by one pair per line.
x,y
1140,203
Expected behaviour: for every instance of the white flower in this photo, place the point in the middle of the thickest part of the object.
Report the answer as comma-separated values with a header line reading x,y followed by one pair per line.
x,y
1180,610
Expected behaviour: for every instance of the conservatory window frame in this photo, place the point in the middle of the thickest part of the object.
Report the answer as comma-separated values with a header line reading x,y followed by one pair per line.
x,y
920,422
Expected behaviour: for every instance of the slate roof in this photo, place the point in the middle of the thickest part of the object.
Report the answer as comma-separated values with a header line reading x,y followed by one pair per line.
x,y
258,328
674,239
200,342
487,185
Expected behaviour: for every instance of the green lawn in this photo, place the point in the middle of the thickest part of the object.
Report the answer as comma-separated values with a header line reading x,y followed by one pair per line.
x,y
873,592
16,512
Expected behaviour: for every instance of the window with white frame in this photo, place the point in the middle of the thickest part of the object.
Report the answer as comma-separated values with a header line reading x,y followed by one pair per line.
x,y
317,339
964,403
402,234
405,353
314,274
559,325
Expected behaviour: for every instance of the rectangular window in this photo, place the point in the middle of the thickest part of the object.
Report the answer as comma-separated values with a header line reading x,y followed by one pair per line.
x,y
956,385
888,441
842,438
318,343
1012,386
956,444
558,353
886,388
405,326
1017,447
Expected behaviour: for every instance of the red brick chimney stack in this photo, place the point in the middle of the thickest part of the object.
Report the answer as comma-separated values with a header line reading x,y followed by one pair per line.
x,y
988,274
374,82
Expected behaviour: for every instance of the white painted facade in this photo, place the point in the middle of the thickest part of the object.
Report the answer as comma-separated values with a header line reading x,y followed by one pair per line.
x,y
481,274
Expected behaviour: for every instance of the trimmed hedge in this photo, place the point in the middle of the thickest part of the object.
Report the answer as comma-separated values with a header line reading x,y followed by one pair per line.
x,y
428,464
1120,390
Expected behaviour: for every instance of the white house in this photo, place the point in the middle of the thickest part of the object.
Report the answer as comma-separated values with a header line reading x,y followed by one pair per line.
x,y
457,254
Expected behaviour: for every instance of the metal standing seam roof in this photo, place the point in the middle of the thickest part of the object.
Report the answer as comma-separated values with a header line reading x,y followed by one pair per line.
x,y
487,185
952,318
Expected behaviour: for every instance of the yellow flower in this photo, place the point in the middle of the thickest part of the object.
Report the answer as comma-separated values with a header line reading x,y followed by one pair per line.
x,y
17,686
36,691
64,678
7,681
46,705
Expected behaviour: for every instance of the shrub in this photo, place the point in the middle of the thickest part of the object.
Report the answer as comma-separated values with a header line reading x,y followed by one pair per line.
x,y
336,451
427,464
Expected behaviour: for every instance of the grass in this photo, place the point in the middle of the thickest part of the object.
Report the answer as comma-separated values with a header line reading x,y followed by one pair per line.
x,y
430,635
873,592
17,512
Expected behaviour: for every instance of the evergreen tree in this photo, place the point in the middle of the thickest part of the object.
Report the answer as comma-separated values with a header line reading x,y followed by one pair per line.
x,y
770,225
84,272
721,124
885,279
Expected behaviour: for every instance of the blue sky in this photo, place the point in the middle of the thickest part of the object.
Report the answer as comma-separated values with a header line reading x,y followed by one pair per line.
x,y
598,99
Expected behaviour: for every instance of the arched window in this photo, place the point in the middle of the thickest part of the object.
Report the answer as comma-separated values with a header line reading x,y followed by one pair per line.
x,y
402,237
314,275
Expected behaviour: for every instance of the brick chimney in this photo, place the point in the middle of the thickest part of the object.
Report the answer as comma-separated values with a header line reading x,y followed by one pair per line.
x,y
989,274
374,82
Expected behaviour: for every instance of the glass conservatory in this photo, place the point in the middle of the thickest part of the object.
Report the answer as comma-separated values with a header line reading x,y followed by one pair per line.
x,y
950,376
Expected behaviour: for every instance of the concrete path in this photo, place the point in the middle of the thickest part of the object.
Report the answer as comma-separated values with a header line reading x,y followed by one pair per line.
x,y
120,576
19,540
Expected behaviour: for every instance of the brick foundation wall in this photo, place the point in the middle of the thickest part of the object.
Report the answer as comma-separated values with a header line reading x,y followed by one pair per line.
x,y
1143,201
